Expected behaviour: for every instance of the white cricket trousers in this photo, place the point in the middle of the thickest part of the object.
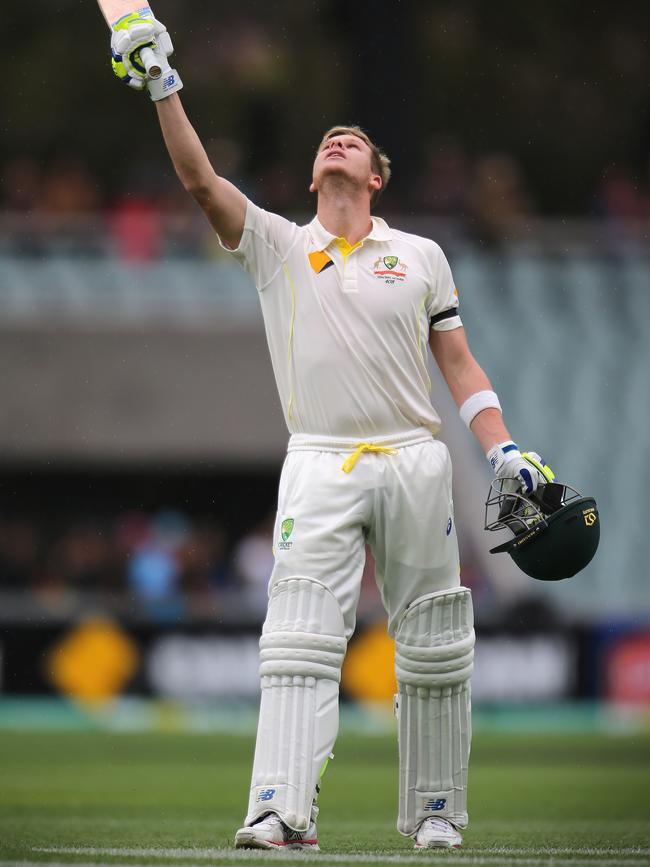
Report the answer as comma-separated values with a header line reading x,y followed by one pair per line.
x,y
394,493
400,503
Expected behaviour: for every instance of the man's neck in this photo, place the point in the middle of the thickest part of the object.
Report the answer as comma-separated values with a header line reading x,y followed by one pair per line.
x,y
345,217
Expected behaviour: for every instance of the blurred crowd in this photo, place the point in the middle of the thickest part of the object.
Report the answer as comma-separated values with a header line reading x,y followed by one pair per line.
x,y
492,195
162,566
157,563
152,216
490,116
488,197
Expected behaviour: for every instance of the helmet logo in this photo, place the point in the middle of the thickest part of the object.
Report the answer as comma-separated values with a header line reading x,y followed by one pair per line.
x,y
590,517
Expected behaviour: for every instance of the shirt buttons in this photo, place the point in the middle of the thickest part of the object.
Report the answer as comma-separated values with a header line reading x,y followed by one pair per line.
x,y
350,276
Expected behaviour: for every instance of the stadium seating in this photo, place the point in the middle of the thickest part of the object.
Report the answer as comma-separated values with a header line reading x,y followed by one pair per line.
x,y
562,333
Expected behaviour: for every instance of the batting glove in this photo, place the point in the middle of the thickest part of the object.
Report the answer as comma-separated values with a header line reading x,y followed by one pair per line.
x,y
526,471
133,33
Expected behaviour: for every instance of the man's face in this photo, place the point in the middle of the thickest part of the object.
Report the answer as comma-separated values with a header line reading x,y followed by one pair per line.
x,y
348,156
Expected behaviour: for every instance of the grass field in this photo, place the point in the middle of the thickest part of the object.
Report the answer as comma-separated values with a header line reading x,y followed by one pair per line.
x,y
94,798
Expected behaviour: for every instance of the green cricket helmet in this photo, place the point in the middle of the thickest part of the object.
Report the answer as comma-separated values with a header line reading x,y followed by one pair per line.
x,y
555,531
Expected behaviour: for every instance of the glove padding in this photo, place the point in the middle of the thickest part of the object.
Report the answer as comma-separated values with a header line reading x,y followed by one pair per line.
x,y
130,35
522,473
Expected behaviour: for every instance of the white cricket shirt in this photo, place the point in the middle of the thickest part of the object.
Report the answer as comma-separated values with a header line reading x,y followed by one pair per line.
x,y
348,328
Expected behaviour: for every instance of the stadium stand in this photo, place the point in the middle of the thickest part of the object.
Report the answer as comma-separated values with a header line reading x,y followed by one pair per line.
x,y
558,318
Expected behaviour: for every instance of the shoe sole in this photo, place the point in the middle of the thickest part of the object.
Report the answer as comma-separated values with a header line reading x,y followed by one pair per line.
x,y
246,839
439,846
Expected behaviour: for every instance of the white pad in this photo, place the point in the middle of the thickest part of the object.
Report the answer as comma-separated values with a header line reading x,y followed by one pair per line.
x,y
434,652
301,651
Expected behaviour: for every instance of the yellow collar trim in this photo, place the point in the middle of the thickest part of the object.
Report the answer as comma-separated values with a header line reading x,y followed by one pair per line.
x,y
346,247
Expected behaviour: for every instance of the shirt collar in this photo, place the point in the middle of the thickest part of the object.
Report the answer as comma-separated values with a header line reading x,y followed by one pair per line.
x,y
380,231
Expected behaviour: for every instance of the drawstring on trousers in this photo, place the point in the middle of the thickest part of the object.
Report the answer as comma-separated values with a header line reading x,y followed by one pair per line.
x,y
351,461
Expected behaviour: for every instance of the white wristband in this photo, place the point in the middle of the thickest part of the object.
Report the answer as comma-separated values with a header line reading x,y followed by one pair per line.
x,y
477,402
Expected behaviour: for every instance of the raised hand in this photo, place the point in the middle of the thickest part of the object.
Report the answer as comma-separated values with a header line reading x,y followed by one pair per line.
x,y
132,36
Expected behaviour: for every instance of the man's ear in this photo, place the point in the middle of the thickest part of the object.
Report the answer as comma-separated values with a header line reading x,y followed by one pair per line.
x,y
376,182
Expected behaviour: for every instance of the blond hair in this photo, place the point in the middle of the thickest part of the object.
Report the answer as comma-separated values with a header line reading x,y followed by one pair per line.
x,y
379,161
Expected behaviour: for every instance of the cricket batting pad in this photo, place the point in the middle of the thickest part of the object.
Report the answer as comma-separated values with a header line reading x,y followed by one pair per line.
x,y
301,651
434,652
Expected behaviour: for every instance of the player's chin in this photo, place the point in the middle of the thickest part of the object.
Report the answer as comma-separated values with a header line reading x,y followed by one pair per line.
x,y
335,169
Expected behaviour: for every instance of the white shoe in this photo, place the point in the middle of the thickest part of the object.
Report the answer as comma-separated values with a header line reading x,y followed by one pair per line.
x,y
270,832
437,833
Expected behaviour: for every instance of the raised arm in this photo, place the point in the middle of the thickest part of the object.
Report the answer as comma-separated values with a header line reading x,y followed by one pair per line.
x,y
223,203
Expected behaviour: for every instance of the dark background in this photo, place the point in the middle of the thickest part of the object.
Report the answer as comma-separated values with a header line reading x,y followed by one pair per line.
x,y
561,89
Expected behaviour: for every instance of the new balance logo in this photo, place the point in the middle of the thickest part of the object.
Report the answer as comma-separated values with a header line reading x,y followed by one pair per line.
x,y
265,794
436,804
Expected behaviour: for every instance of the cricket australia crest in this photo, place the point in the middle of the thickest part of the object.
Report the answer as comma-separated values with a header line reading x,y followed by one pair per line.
x,y
286,529
390,269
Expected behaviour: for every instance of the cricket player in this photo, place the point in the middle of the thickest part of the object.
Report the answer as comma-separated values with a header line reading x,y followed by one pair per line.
x,y
349,306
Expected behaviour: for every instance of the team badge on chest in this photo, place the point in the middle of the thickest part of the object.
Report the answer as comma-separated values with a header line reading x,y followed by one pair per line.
x,y
390,269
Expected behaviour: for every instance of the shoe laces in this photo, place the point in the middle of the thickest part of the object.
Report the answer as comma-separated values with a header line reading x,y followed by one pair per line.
x,y
439,823
270,819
